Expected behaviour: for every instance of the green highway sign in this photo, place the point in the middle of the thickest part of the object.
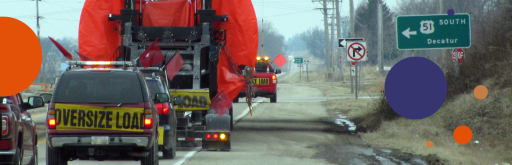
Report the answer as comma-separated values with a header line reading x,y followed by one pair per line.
x,y
439,31
298,60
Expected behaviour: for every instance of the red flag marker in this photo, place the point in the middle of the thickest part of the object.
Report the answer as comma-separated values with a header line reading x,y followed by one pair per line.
x,y
280,60
174,66
62,49
153,55
84,58
221,103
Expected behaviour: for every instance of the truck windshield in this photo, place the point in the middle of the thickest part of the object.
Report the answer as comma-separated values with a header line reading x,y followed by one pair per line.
x,y
99,87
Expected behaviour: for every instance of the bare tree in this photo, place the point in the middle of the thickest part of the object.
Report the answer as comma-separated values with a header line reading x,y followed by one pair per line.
x,y
315,42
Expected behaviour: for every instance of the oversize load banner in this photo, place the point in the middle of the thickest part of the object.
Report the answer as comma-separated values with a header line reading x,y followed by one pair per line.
x,y
77,117
193,99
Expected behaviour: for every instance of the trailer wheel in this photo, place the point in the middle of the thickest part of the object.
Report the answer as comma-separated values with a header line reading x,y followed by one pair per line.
x,y
273,99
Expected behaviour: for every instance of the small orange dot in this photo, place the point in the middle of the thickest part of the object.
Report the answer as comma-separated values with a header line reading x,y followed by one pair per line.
x,y
462,134
430,144
480,92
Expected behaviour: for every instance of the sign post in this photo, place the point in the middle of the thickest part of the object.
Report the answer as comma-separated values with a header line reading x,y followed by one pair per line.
x,y
342,42
307,72
356,51
438,31
299,60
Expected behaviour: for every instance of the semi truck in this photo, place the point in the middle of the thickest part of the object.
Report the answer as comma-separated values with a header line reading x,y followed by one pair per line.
x,y
217,40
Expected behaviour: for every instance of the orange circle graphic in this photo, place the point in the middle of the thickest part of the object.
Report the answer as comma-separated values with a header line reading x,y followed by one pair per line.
x,y
430,144
480,92
20,56
462,134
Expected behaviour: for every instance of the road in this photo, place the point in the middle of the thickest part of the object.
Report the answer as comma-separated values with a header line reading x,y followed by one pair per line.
x,y
296,130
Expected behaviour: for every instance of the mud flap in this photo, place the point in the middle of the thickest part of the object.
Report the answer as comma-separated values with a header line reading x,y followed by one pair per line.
x,y
216,123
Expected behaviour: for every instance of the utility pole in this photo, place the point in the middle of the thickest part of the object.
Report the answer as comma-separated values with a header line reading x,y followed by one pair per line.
x,y
352,35
380,36
326,40
37,18
338,35
333,49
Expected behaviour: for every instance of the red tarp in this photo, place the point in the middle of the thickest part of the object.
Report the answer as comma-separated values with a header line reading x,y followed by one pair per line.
x,y
242,41
177,13
98,40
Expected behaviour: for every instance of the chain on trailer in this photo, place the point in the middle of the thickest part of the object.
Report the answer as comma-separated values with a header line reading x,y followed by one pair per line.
x,y
245,78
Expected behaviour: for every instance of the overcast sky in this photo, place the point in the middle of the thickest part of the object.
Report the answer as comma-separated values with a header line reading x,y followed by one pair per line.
x,y
61,17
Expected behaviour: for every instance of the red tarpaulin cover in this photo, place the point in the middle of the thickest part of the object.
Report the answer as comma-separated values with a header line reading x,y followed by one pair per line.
x,y
242,41
177,13
98,40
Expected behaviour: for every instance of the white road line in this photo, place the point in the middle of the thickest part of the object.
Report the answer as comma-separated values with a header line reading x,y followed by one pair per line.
x,y
187,156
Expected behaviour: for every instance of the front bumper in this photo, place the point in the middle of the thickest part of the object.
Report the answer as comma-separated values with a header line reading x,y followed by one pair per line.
x,y
111,141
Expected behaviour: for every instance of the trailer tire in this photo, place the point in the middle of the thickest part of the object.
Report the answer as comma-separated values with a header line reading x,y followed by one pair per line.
x,y
273,99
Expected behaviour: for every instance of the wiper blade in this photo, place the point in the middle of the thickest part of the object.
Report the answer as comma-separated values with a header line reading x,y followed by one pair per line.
x,y
118,105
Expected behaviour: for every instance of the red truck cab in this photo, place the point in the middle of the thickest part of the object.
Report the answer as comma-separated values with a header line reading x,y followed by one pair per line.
x,y
264,80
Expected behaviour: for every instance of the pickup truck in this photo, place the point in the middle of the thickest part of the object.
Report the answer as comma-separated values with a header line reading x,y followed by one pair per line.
x,y
264,81
18,142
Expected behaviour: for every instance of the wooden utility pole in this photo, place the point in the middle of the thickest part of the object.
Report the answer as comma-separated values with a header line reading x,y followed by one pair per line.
x,y
338,32
326,40
380,36
352,35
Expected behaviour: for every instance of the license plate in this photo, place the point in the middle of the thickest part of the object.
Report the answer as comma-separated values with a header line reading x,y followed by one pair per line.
x,y
99,140
260,81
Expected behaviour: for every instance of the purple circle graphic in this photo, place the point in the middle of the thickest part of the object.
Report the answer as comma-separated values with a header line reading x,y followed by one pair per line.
x,y
451,12
415,88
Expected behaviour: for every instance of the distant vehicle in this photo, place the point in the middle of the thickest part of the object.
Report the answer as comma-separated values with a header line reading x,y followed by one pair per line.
x,y
166,113
18,142
264,80
103,113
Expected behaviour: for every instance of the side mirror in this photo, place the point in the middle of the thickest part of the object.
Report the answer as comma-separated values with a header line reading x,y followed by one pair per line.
x,y
161,97
277,71
35,101
47,98
178,100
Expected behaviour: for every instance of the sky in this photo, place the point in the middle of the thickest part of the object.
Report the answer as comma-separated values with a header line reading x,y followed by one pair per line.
x,y
61,17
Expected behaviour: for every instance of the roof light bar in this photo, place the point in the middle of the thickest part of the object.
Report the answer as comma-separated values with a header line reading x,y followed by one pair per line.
x,y
89,63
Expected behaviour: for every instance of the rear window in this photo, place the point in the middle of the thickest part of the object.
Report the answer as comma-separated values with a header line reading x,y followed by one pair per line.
x,y
155,87
99,87
262,67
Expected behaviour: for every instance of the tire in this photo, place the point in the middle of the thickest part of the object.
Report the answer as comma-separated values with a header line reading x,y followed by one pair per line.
x,y
235,100
152,158
231,115
273,99
34,160
54,157
17,157
171,152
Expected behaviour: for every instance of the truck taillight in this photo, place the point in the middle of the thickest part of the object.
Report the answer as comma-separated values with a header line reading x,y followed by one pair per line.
x,y
51,123
217,136
274,79
162,108
5,125
148,123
